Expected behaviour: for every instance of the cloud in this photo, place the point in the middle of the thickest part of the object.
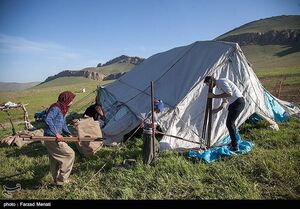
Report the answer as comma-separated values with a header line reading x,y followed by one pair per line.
x,y
15,45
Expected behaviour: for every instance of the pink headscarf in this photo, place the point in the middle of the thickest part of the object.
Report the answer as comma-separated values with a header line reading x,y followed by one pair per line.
x,y
64,99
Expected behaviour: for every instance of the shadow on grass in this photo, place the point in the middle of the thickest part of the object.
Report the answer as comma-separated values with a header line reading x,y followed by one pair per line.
x,y
112,157
34,182
289,49
34,149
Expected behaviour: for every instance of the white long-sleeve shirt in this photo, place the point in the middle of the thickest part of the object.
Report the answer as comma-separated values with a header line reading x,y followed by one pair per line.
x,y
229,87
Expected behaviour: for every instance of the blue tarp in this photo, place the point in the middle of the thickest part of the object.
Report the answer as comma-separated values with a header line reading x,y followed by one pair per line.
x,y
277,111
214,153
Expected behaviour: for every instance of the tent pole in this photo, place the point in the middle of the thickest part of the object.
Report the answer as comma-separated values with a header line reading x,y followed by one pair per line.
x,y
152,119
207,118
209,100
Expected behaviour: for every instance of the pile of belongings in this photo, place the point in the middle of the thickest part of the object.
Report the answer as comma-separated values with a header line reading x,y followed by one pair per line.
x,y
17,140
8,105
40,116
87,127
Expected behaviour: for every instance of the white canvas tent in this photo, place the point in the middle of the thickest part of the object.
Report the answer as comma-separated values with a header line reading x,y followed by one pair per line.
x,y
178,76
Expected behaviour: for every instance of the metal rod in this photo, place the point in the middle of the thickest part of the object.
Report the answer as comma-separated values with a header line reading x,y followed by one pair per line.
x,y
177,137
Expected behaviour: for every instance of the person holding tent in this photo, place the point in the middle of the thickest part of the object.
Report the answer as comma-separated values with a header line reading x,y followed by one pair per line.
x,y
234,97
61,156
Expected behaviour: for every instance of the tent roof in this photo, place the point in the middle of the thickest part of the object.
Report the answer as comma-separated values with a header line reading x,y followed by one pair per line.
x,y
177,70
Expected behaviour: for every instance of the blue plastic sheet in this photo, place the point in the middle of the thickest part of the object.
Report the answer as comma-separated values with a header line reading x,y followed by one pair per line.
x,y
275,108
254,118
215,153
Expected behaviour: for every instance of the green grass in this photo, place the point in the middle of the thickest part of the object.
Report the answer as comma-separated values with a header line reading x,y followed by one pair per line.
x,y
270,171
278,72
267,57
66,81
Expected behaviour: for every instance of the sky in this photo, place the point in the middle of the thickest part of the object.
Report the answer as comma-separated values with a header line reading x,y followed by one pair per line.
x,y
40,38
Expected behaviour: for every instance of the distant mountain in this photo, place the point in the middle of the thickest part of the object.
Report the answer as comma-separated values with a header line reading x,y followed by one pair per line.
x,y
12,86
124,59
283,30
112,69
81,73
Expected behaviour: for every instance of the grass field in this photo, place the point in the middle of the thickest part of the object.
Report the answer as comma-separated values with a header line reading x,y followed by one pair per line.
x,y
270,171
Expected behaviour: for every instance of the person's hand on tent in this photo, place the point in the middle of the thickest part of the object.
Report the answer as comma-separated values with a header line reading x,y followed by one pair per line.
x,y
223,104
59,137
214,111
210,95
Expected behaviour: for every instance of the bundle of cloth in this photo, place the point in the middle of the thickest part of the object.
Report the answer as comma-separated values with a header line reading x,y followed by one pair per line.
x,y
17,140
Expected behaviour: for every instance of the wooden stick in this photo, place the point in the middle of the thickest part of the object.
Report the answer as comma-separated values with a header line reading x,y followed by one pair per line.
x,y
12,124
26,117
66,139
209,100
78,191
152,120
134,132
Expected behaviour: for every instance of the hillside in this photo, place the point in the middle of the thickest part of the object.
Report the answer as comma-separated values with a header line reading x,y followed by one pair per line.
x,y
12,86
65,81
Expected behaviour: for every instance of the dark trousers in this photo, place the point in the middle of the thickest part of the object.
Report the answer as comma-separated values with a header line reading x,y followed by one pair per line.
x,y
234,110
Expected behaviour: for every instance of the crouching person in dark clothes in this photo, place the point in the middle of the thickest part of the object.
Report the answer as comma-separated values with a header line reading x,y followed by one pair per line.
x,y
150,153
61,156
96,111
232,95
